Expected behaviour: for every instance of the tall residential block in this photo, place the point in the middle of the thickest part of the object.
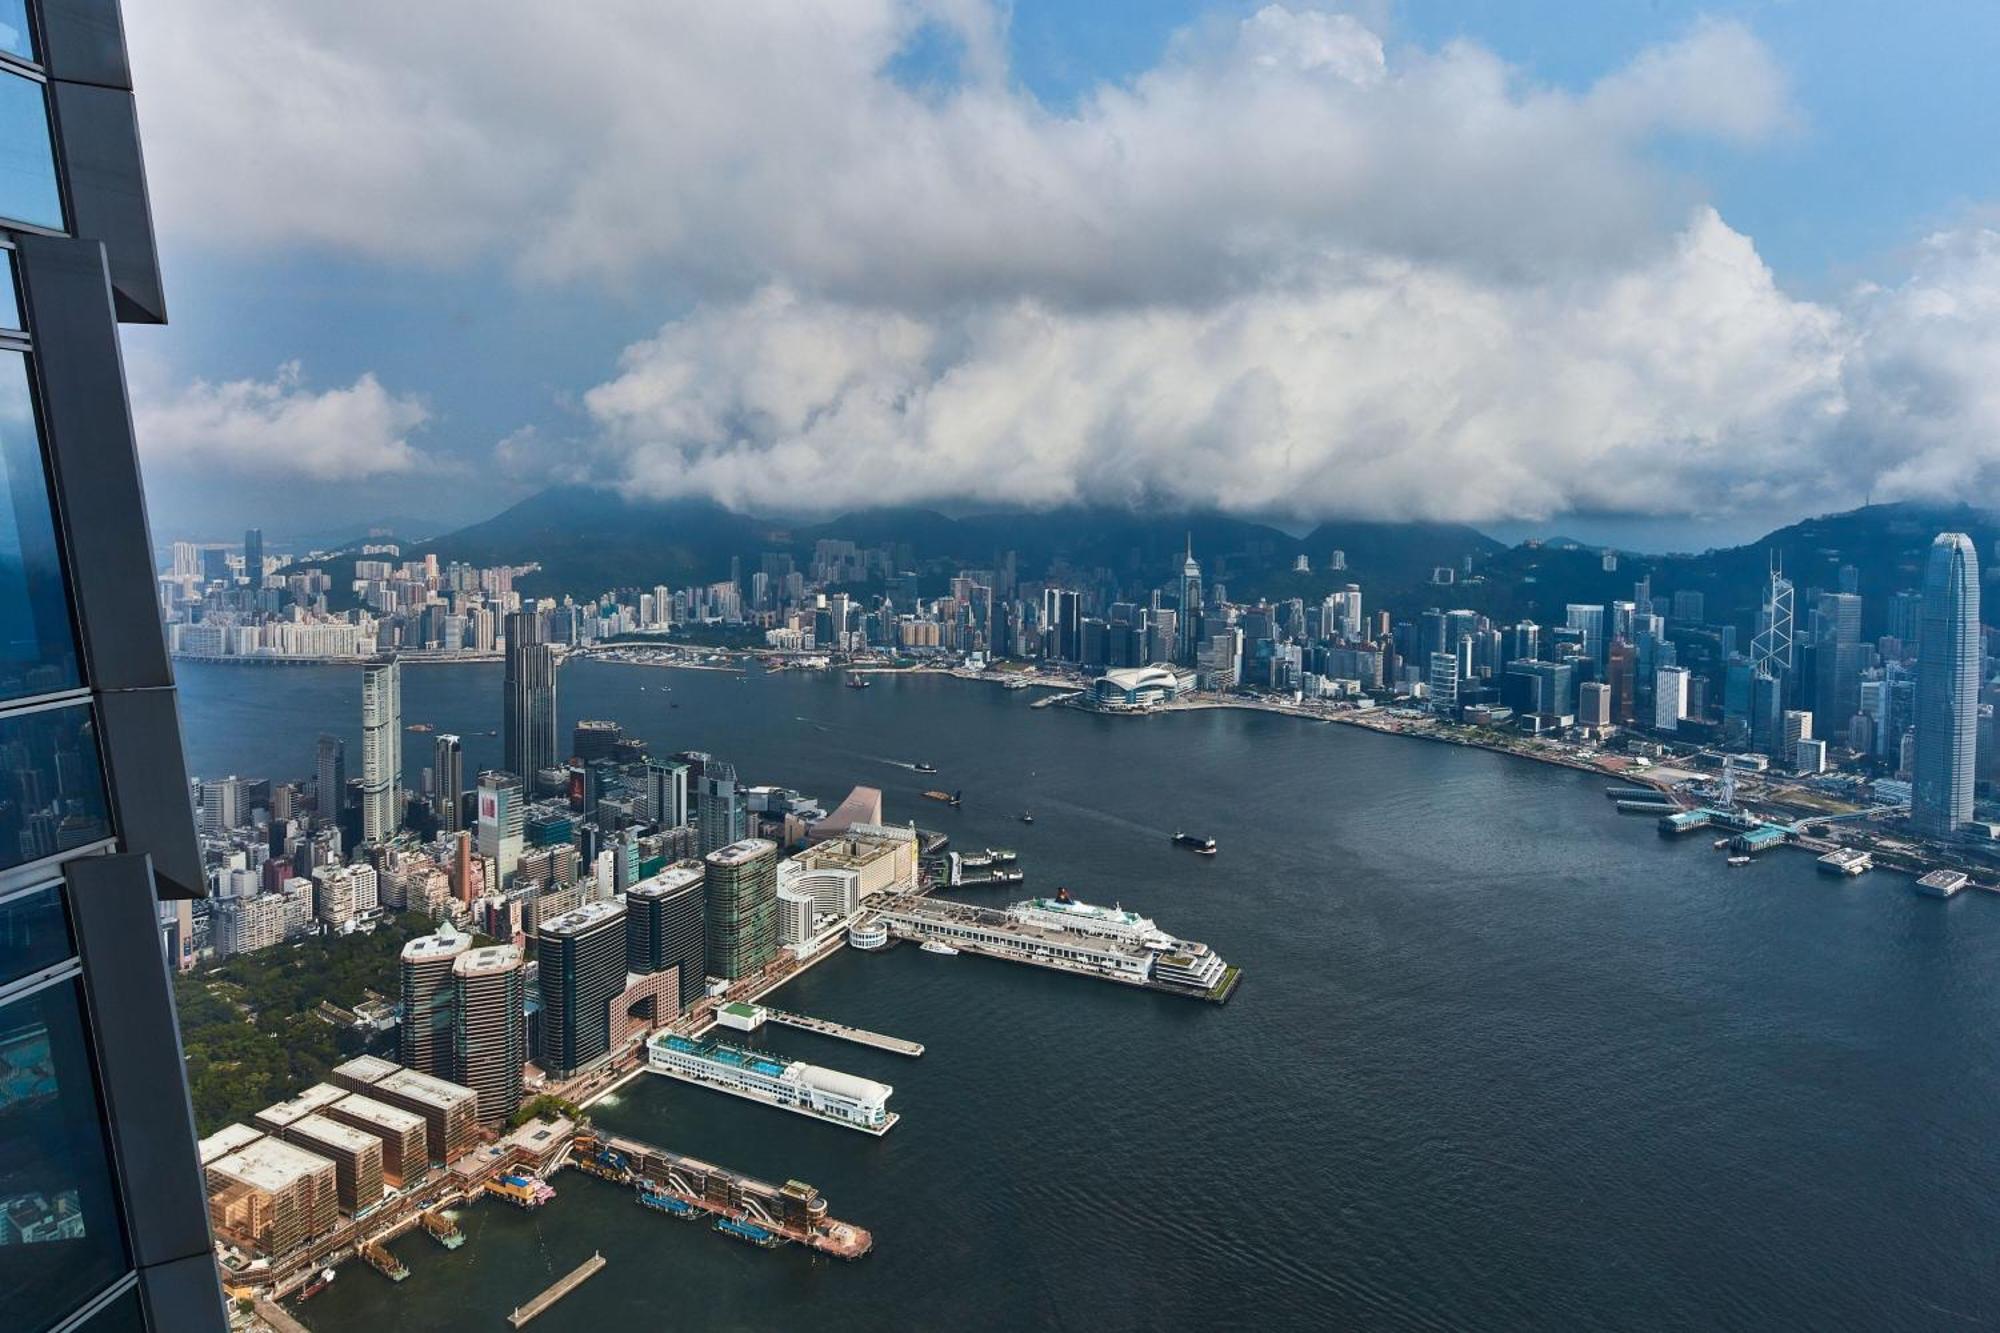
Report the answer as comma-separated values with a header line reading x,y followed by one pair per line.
x,y
741,893
580,958
448,782
528,717
502,820
665,928
424,1037
488,1033
381,748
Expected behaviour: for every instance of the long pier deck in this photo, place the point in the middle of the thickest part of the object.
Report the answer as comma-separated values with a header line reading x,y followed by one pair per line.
x,y
794,1210
859,1036
560,1288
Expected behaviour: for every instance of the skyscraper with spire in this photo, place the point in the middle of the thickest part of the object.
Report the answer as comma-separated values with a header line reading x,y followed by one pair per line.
x,y
1947,696
1189,629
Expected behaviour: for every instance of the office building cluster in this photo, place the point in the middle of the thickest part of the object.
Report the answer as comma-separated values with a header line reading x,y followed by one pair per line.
x,y
1805,690
335,1152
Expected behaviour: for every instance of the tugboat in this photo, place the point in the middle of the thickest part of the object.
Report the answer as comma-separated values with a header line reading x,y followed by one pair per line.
x,y
1027,818
857,682
950,798
924,768
1201,846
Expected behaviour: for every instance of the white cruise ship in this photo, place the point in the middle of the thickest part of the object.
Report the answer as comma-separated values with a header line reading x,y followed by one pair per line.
x,y
1063,933
790,1085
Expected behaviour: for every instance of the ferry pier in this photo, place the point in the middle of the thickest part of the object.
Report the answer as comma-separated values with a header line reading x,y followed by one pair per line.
x,y
794,1211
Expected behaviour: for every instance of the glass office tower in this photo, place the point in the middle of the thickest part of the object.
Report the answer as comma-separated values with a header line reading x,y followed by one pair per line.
x,y
100,1186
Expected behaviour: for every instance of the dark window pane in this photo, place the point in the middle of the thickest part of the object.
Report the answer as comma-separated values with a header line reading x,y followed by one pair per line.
x,y
10,296
123,1315
51,784
15,37
34,932
27,155
37,643
57,1207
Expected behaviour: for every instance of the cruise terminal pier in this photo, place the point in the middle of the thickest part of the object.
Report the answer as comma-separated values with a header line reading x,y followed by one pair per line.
x,y
1066,935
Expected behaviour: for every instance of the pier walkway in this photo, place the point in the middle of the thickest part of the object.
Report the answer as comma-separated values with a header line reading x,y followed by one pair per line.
x,y
795,1210
563,1287
859,1036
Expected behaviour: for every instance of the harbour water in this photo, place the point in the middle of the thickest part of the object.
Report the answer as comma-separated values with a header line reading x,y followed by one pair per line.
x,y
1501,1058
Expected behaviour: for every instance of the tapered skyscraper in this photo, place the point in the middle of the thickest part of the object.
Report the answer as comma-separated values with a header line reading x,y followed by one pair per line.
x,y
1189,627
529,726
381,748
1947,712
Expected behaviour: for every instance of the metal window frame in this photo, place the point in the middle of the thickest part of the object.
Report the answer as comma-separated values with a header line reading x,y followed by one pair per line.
x,y
35,73
23,344
37,38
135,1039
79,1321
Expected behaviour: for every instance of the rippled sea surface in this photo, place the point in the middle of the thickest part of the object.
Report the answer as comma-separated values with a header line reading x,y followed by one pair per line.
x,y
1501,1057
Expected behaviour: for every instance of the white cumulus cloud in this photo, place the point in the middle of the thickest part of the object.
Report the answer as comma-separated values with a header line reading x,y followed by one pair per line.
x,y
281,427
1370,385
1289,269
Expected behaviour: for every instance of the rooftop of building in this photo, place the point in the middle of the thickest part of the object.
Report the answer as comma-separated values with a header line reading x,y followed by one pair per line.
x,y
315,1098
489,961
850,1086
590,916
270,1164
436,948
892,834
844,853
1141,677
426,1088
367,1068
674,879
392,1118
333,1134
227,1140
744,852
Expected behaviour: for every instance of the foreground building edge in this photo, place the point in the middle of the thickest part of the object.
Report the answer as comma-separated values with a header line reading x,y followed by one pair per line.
x,y
127,1241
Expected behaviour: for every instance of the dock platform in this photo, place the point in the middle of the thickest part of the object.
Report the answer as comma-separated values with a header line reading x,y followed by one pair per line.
x,y
859,1036
794,1211
561,1288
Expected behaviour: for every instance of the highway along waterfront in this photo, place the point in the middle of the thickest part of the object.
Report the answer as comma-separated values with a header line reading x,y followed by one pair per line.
x,y
1500,1058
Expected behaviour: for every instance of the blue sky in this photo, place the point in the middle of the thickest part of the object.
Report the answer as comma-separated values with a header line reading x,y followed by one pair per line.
x,y
1875,133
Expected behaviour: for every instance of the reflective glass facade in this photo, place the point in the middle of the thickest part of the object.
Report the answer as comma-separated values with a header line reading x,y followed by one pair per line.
x,y
15,37
103,1224
28,191
58,1208
37,641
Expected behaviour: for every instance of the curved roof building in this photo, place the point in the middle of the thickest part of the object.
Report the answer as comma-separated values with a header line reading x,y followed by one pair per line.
x,y
1136,687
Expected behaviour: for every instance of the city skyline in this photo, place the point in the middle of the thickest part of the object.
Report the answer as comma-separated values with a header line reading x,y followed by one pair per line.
x,y
1334,657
